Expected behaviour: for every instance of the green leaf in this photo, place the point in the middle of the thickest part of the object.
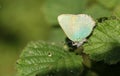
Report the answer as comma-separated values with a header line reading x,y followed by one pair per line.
x,y
42,59
104,44
53,8
96,11
108,3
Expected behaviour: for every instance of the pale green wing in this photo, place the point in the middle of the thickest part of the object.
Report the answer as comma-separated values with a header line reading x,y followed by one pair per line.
x,y
76,27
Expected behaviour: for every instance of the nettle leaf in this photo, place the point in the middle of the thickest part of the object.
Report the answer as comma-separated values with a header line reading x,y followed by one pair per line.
x,y
53,8
44,59
108,3
104,44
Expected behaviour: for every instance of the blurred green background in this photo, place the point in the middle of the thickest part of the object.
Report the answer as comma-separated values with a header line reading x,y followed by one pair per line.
x,y
22,21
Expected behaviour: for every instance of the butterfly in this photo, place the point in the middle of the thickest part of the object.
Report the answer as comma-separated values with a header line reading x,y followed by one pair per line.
x,y
76,27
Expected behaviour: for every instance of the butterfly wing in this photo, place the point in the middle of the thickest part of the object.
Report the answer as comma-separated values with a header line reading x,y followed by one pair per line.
x,y
76,27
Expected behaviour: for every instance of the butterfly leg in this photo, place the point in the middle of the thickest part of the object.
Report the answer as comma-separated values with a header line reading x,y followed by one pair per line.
x,y
78,44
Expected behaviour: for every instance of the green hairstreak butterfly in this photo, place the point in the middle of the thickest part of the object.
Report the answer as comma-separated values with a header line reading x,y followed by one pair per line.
x,y
76,27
